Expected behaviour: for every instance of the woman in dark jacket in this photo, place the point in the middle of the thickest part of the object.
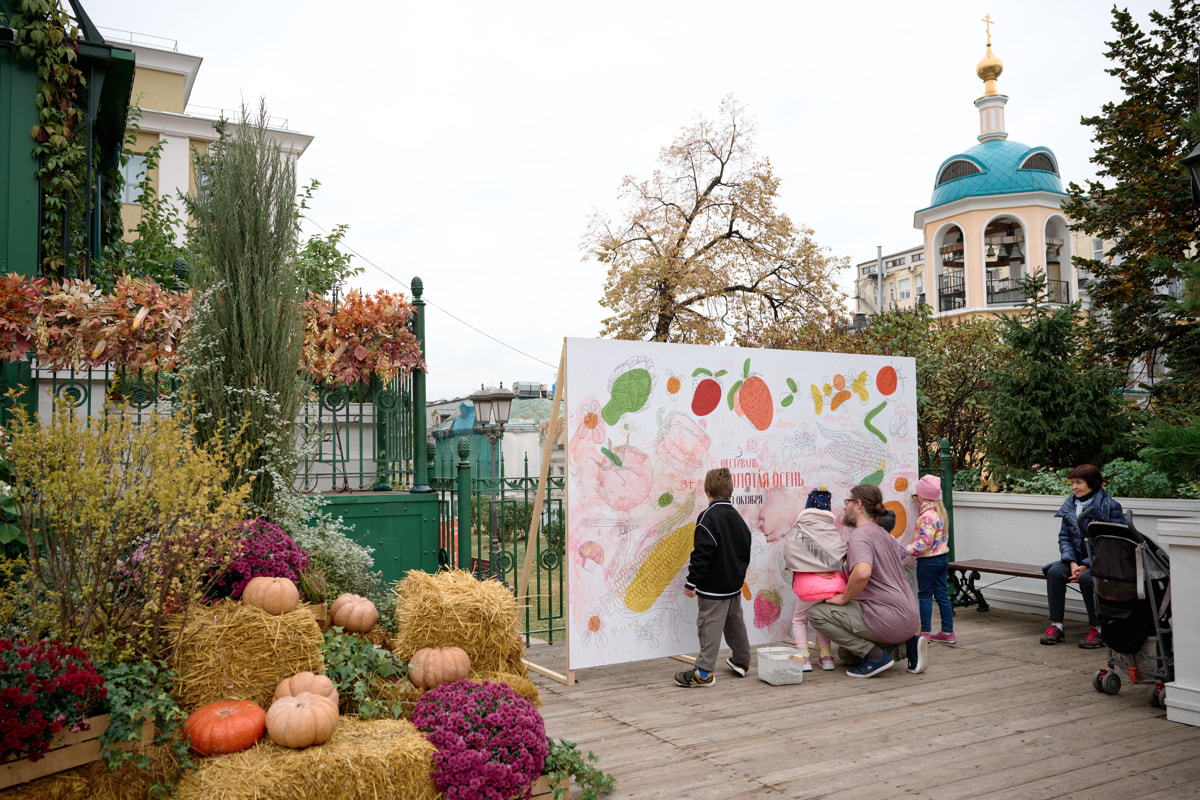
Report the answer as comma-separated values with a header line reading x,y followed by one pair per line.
x,y
1088,501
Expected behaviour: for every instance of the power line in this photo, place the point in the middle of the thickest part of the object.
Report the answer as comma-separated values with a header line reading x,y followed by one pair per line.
x,y
408,288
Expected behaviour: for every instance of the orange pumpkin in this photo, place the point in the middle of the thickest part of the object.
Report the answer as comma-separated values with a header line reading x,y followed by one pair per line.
x,y
353,613
302,720
307,682
226,726
273,595
430,667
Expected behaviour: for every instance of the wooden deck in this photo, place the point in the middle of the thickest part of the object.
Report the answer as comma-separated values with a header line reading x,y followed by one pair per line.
x,y
996,716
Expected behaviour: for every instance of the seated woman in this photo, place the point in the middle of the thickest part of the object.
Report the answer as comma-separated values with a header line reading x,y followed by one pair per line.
x,y
1087,495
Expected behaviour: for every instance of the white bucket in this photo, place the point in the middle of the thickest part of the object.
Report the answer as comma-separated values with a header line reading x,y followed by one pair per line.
x,y
780,666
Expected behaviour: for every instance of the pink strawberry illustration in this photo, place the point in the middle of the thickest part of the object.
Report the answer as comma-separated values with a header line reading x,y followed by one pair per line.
x,y
767,607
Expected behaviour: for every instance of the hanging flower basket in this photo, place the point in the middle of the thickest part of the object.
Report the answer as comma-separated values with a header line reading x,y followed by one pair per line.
x,y
67,749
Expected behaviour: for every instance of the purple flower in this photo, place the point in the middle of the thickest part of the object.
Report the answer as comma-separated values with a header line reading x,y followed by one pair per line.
x,y
491,743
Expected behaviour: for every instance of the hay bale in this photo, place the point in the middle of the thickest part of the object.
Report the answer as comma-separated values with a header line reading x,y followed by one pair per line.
x,y
454,609
233,651
380,758
522,686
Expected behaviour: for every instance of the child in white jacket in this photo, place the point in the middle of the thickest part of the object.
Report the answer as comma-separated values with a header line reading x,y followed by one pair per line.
x,y
815,552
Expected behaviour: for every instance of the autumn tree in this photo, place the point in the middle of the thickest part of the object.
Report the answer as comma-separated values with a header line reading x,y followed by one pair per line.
x,y
702,254
954,363
1141,201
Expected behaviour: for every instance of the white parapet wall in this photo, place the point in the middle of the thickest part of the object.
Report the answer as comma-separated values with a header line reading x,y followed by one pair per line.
x,y
1023,528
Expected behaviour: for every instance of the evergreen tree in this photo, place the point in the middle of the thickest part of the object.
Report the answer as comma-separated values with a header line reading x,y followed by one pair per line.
x,y
1142,202
1052,405
243,346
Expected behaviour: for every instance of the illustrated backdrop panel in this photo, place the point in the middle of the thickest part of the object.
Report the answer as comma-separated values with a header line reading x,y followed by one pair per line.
x,y
647,420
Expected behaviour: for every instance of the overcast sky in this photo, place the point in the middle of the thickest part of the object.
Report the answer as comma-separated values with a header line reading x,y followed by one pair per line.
x,y
468,142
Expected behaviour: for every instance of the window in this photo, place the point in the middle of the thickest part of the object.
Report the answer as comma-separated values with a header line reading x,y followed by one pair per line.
x,y
958,169
133,171
1097,249
918,257
1041,161
895,262
905,291
919,282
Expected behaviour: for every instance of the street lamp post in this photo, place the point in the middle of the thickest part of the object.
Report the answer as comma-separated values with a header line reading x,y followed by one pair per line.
x,y
492,405
1192,161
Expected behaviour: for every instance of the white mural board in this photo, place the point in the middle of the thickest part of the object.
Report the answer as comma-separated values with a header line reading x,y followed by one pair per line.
x,y
646,421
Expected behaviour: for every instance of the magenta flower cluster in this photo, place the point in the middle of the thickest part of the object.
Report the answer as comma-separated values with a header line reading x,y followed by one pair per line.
x,y
491,743
44,687
265,551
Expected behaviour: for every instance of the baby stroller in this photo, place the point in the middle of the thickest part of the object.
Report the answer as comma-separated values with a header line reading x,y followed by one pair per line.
x,y
1132,578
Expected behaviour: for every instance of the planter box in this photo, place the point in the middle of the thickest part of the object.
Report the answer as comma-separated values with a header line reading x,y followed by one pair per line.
x,y
67,749
543,789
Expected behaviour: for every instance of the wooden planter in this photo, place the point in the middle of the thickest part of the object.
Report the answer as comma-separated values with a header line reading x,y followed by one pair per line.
x,y
67,749
543,789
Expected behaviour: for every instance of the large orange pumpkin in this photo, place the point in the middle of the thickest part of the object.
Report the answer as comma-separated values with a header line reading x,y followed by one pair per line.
x,y
353,613
226,726
273,595
303,720
430,667
307,682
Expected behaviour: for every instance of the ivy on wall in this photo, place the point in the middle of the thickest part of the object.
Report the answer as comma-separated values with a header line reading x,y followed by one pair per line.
x,y
47,37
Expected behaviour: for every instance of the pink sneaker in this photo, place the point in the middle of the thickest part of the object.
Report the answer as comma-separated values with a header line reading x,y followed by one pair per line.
x,y
944,637
827,663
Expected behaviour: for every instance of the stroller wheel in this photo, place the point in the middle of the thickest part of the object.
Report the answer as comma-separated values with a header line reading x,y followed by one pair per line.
x,y
1112,683
1158,697
1098,680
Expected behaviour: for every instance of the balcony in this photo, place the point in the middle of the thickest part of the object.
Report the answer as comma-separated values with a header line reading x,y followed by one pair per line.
x,y
952,292
1007,291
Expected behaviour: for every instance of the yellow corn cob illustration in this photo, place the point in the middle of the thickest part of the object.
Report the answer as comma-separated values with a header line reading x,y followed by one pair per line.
x,y
658,568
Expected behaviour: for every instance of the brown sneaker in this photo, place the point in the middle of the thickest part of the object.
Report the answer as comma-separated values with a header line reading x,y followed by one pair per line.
x,y
689,678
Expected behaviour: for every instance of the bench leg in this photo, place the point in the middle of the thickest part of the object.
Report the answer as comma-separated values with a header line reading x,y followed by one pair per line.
x,y
963,591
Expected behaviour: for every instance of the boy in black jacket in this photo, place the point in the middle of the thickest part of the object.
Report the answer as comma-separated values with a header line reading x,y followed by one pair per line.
x,y
716,572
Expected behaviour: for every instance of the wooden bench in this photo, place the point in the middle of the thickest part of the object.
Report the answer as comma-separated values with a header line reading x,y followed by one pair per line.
x,y
963,576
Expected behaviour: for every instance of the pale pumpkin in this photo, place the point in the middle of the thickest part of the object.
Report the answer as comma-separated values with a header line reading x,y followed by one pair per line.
x,y
276,596
302,720
307,682
353,613
430,667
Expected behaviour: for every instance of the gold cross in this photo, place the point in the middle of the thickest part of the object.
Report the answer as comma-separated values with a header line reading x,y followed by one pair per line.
x,y
988,23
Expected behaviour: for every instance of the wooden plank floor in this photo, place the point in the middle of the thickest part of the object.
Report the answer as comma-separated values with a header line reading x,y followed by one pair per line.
x,y
996,716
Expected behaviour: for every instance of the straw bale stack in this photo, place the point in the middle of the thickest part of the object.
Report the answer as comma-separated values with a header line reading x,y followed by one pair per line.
x,y
233,651
522,686
453,609
375,759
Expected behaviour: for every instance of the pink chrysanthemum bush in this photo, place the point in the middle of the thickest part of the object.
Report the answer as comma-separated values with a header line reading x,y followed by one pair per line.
x,y
44,687
491,744
265,551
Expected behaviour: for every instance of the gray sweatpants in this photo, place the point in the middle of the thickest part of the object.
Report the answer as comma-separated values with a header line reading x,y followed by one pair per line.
x,y
717,616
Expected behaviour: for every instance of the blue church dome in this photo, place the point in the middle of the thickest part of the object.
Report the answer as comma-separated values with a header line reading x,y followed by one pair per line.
x,y
996,166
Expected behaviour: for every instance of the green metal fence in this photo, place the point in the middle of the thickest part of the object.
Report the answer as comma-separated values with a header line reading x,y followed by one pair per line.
x,y
497,517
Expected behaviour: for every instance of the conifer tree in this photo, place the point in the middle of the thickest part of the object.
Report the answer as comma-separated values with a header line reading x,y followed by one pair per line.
x,y
1142,201
1052,405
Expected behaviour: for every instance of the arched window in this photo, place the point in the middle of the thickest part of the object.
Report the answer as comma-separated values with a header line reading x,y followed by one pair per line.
x,y
958,169
1041,161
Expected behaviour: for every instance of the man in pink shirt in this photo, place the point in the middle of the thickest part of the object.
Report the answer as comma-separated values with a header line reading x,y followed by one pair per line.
x,y
877,613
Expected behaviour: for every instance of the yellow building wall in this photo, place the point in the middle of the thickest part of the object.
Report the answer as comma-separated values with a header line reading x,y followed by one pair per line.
x,y
162,91
131,213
